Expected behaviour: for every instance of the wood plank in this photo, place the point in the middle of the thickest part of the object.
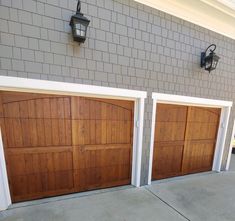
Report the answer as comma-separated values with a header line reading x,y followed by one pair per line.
x,y
51,168
169,140
50,149
200,139
98,148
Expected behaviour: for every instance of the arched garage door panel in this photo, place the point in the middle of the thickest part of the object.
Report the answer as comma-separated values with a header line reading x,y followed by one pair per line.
x,y
169,140
102,139
62,144
185,139
200,139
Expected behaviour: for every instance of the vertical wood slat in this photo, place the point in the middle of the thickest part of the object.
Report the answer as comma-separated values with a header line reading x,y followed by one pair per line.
x,y
54,122
184,162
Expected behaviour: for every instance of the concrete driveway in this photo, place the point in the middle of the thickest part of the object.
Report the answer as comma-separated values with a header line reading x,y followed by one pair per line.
x,y
209,196
205,197
232,163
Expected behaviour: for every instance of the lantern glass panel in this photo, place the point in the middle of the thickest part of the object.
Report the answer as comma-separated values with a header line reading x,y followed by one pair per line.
x,y
78,26
214,64
215,61
208,63
80,29
83,30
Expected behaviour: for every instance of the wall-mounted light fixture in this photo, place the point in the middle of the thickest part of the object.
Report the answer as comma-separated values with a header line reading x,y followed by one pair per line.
x,y
79,24
209,61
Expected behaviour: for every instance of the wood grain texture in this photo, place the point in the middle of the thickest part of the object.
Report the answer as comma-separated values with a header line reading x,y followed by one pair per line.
x,y
102,139
200,139
61,144
40,170
169,140
185,139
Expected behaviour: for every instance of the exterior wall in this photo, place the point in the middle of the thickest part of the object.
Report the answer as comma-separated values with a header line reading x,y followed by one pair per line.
x,y
129,45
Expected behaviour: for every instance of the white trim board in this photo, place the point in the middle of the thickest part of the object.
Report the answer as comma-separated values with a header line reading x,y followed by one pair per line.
x,y
43,86
5,199
230,148
186,100
193,101
209,14
50,87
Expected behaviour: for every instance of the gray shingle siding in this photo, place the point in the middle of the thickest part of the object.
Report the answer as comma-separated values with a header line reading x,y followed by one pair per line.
x,y
129,45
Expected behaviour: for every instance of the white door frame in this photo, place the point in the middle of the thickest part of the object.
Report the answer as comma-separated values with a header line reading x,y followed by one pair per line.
x,y
194,101
5,198
230,148
51,87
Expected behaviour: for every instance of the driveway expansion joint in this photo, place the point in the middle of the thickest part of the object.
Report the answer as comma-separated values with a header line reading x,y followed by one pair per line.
x,y
155,195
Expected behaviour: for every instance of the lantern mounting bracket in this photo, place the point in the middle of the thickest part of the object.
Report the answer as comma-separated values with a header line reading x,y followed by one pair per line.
x,y
78,7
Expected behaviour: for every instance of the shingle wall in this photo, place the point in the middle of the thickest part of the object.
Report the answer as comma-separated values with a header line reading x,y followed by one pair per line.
x,y
129,46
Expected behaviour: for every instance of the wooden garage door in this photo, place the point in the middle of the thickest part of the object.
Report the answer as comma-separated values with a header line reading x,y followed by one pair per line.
x,y
61,144
185,139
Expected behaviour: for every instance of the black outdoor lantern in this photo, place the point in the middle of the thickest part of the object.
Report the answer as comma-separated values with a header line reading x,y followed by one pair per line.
x,y
209,61
79,24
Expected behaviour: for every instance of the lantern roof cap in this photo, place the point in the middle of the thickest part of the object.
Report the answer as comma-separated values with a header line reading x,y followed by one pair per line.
x,y
79,16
